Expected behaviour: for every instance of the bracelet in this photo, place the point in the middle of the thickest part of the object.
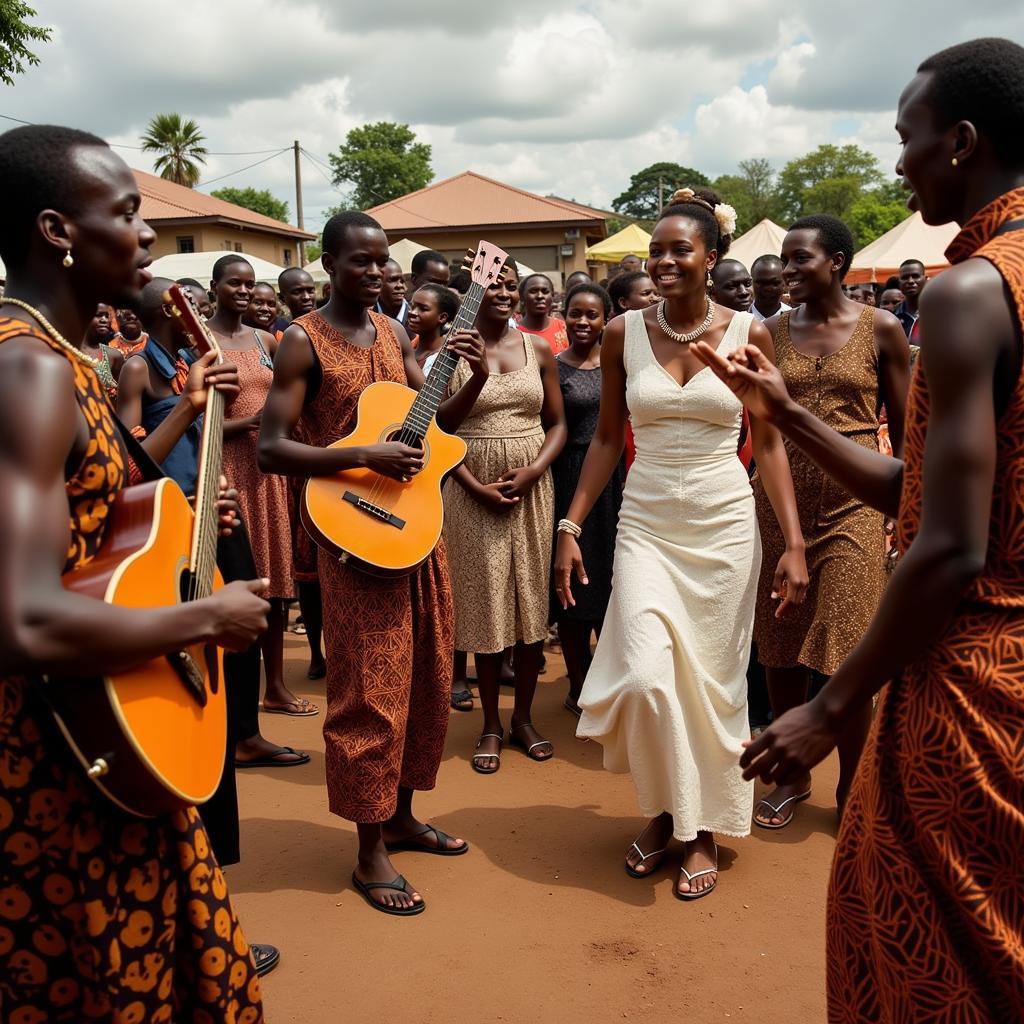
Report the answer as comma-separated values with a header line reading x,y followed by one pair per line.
x,y
568,526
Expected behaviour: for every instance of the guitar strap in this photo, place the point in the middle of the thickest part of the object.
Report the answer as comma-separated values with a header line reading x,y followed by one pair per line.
x,y
142,459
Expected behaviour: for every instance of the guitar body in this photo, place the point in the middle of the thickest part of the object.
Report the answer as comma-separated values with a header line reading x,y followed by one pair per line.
x,y
385,527
151,738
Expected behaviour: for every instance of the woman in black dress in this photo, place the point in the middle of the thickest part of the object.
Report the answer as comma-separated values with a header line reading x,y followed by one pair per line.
x,y
587,310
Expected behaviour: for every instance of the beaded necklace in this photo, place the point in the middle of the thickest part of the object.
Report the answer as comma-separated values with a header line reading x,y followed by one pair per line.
x,y
52,331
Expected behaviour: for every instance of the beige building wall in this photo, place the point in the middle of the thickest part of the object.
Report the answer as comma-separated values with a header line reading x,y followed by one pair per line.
x,y
215,237
541,248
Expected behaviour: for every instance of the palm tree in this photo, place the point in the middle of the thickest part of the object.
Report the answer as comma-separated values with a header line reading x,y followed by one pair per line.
x,y
180,145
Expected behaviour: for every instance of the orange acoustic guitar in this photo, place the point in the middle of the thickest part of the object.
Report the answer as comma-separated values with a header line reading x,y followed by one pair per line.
x,y
384,526
152,738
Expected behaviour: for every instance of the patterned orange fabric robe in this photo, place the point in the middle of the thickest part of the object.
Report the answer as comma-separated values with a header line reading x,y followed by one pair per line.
x,y
926,902
103,916
388,641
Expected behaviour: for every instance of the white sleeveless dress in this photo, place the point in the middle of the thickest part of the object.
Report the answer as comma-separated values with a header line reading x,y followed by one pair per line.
x,y
666,695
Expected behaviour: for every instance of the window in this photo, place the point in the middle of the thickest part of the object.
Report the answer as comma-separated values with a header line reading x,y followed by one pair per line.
x,y
238,246
186,243
287,257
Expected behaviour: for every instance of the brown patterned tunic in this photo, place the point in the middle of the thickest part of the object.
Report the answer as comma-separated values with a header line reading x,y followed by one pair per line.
x,y
103,916
845,539
924,911
388,641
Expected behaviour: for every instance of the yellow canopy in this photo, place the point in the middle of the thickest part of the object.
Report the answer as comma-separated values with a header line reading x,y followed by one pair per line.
x,y
632,240
911,239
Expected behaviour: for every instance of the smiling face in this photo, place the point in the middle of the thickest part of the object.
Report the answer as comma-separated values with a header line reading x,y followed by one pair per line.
x,y
299,292
733,286
679,260
392,287
500,299
235,288
584,318
809,270
538,296
357,269
262,308
109,240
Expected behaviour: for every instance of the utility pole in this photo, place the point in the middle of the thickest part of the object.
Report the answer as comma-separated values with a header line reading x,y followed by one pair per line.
x,y
298,203
661,194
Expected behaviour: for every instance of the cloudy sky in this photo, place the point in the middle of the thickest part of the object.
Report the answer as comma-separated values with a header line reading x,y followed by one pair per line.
x,y
564,98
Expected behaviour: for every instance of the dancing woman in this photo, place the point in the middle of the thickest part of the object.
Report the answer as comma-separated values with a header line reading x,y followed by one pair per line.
x,y
926,890
666,694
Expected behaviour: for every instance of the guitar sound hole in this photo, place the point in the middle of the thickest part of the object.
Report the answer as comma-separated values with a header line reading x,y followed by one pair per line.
x,y
417,443
185,586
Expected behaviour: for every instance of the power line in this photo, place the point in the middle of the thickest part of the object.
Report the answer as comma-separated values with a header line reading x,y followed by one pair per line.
x,y
247,166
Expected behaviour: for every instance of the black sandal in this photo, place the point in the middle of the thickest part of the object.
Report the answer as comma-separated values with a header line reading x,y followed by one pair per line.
x,y
529,749
265,957
460,697
410,845
398,884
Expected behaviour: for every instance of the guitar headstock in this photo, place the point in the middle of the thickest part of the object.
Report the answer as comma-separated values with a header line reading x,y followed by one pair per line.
x,y
485,263
184,308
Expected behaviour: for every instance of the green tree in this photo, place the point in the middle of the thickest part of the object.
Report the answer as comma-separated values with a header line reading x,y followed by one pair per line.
x,y
641,198
874,213
180,145
15,35
829,180
260,200
314,250
381,161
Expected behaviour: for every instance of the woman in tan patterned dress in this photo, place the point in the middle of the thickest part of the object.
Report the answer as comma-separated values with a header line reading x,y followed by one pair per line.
x,y
841,360
388,640
263,497
499,513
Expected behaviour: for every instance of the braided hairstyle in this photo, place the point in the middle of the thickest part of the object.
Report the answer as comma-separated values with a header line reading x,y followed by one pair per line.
x,y
698,205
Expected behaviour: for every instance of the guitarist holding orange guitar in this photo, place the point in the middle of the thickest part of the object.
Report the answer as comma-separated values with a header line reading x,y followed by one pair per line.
x,y
92,925
388,628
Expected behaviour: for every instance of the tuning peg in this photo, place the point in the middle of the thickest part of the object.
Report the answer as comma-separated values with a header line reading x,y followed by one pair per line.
x,y
471,254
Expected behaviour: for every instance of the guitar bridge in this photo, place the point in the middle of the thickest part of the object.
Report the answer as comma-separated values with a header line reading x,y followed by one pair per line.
x,y
374,510
190,674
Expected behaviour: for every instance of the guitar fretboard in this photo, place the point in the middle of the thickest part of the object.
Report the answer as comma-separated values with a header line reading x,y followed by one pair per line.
x,y
435,387
207,524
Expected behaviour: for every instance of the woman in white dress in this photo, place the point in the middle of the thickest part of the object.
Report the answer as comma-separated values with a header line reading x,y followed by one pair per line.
x,y
666,694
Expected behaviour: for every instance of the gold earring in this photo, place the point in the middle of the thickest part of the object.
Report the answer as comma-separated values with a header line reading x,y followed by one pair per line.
x,y
68,260
955,161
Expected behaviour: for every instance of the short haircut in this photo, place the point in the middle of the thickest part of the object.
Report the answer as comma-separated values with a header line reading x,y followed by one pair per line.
x,y
149,306
460,281
447,300
338,227
589,288
578,273
722,265
190,282
912,263
226,261
981,81
36,174
290,272
530,277
700,209
421,259
767,260
620,286
833,235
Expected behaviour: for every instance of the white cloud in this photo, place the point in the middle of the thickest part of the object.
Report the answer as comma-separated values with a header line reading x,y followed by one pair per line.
x,y
569,99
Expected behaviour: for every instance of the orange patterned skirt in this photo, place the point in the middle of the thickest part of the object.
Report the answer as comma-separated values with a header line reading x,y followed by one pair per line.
x,y
104,916
926,899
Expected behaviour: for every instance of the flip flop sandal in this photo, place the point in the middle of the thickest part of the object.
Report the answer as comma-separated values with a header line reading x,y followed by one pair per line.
x,y
697,874
397,884
409,844
265,957
307,709
270,760
632,871
528,750
798,799
477,758
460,697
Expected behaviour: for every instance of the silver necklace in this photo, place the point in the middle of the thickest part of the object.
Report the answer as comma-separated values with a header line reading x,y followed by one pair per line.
x,y
689,336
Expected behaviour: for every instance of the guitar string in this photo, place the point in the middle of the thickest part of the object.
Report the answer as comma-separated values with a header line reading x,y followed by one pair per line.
x,y
417,421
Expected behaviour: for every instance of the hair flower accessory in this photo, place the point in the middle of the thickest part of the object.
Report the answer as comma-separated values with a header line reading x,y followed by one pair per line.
x,y
681,195
726,217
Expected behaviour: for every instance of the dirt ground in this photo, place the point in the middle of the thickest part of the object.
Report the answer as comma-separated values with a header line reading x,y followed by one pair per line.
x,y
538,922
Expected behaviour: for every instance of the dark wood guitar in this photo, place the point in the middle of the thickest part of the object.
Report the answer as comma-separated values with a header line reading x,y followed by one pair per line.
x,y
389,527
152,738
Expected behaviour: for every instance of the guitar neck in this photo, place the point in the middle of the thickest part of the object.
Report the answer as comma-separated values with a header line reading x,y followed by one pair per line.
x,y
207,526
435,387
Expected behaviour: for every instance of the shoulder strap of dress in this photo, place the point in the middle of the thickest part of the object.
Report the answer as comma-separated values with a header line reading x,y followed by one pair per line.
x,y
635,341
